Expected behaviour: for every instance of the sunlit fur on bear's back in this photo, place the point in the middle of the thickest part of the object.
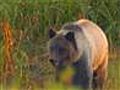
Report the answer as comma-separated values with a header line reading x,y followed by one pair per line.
x,y
88,35
97,39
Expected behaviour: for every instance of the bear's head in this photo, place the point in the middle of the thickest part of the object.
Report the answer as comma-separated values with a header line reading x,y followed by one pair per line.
x,y
62,49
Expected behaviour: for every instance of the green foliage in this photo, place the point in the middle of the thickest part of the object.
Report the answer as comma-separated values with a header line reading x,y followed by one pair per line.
x,y
36,16
31,19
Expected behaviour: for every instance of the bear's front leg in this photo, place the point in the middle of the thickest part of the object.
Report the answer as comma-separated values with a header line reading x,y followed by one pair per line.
x,y
83,73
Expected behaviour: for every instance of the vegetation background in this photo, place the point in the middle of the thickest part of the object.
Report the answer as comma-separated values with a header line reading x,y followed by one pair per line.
x,y
25,23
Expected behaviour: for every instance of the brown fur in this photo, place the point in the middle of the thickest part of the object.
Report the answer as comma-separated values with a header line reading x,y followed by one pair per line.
x,y
88,44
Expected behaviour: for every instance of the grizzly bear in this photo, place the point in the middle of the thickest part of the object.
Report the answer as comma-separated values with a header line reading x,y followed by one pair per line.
x,y
83,46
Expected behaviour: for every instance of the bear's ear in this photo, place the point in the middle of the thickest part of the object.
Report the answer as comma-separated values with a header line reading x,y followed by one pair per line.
x,y
51,33
70,36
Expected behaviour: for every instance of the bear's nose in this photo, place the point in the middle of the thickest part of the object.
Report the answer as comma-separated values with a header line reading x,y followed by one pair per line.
x,y
54,62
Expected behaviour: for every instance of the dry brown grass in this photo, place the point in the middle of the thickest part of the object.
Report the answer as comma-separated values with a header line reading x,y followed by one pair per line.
x,y
8,67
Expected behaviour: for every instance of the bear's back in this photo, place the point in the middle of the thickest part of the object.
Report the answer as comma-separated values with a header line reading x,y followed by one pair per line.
x,y
88,36
97,40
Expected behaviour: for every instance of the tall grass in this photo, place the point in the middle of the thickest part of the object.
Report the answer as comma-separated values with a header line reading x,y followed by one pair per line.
x,y
31,19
